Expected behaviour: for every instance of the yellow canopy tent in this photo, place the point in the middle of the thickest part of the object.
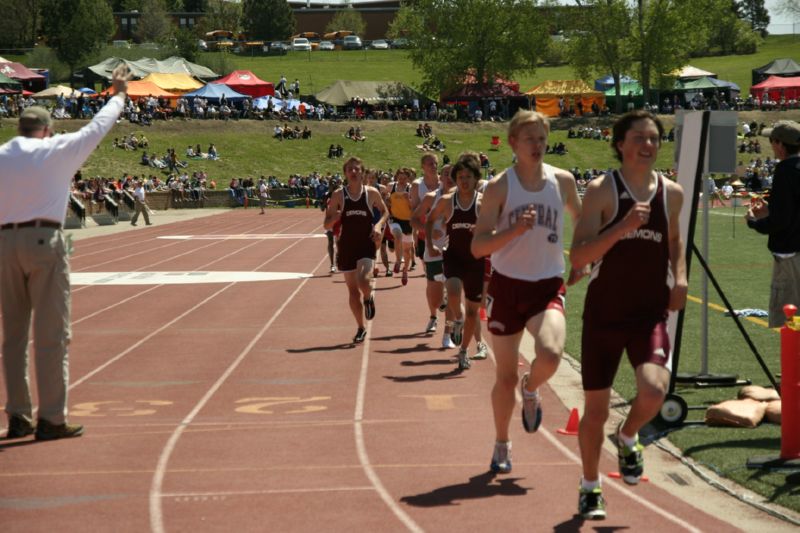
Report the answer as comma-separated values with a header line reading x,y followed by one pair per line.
x,y
173,83
550,92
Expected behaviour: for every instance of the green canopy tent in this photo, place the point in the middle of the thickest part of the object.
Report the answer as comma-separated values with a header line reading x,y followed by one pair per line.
x,y
631,91
8,84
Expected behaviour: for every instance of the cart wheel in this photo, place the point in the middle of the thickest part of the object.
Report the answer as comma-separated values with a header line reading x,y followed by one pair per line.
x,y
673,411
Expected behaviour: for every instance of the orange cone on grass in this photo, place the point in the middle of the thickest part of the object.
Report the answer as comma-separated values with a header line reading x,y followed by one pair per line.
x,y
572,423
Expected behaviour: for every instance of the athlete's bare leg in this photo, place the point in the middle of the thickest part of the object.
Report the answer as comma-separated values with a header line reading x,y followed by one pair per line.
x,y
434,293
364,270
548,329
351,279
471,323
590,433
652,383
454,291
506,353
399,245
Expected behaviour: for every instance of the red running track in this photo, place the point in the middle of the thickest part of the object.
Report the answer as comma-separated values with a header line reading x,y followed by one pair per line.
x,y
244,407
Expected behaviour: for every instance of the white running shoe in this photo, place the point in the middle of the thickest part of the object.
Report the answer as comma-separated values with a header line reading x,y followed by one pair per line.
x,y
447,342
431,327
531,407
501,458
483,351
457,333
463,360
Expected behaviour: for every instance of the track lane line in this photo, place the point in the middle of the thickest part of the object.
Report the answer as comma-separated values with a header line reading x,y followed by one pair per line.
x,y
152,334
156,511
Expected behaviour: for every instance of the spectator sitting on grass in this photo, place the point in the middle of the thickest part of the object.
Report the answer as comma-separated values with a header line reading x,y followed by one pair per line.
x,y
145,159
306,133
277,133
212,152
190,151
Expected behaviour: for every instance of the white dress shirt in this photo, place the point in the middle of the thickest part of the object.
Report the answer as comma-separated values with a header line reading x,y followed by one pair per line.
x,y
35,174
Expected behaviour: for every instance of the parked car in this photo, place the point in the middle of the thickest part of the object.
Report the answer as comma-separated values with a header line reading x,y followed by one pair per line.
x,y
326,46
352,42
379,44
301,44
278,48
202,45
400,42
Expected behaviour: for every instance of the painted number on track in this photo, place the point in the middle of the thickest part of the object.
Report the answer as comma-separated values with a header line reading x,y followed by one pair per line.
x,y
287,404
118,408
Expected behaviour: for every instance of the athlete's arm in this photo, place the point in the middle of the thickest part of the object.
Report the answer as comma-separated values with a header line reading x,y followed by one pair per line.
x,y
572,204
677,252
440,211
376,201
486,240
588,244
413,197
419,214
334,210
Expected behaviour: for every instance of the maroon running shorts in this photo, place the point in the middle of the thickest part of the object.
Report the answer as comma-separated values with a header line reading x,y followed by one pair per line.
x,y
511,302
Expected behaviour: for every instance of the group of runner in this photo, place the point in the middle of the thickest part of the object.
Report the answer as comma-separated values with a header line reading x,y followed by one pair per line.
x,y
500,244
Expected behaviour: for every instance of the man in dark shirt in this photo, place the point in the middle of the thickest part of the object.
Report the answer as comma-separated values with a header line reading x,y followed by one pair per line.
x,y
780,218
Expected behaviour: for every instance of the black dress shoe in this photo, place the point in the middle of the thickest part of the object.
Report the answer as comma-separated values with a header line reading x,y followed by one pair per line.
x,y
18,427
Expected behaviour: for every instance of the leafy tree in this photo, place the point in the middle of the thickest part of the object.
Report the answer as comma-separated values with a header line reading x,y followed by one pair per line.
x,y
76,28
605,46
788,7
19,23
447,44
754,12
662,37
186,44
154,22
222,15
267,20
347,19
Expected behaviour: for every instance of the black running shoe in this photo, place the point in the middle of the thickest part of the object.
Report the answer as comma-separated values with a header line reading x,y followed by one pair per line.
x,y
591,504
369,307
361,334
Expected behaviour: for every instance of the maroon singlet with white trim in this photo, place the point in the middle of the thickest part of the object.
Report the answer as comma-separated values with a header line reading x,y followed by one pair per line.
x,y
629,284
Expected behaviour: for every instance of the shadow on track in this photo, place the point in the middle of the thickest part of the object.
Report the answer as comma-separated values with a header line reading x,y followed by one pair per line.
x,y
480,486
410,349
344,346
454,373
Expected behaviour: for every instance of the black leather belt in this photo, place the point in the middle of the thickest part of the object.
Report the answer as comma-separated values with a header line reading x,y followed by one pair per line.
x,y
35,223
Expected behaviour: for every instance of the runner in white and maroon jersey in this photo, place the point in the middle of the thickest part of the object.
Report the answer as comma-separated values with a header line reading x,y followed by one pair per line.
x,y
353,205
520,224
629,230
435,295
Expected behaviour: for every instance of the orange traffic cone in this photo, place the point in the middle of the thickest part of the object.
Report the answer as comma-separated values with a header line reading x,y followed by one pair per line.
x,y
483,314
617,475
572,423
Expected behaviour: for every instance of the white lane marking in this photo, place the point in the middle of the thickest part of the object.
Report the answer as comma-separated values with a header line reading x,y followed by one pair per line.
x,y
260,492
361,448
145,291
178,278
169,324
243,236
156,511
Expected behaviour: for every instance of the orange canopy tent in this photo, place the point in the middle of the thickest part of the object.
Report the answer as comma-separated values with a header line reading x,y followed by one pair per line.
x,y
550,92
138,89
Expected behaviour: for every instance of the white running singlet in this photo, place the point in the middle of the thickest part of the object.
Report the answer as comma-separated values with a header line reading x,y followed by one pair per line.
x,y
539,252
441,242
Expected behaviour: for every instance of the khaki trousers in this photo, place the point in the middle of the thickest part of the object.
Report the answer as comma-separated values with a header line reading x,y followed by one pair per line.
x,y
784,289
140,208
34,283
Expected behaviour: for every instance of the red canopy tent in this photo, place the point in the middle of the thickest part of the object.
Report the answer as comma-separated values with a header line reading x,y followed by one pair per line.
x,y
245,82
29,79
776,87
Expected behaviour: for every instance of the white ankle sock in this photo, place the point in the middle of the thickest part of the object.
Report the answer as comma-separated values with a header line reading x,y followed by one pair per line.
x,y
590,485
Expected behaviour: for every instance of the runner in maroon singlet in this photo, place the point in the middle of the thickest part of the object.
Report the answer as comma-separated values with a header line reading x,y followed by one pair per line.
x,y
353,205
463,271
629,230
